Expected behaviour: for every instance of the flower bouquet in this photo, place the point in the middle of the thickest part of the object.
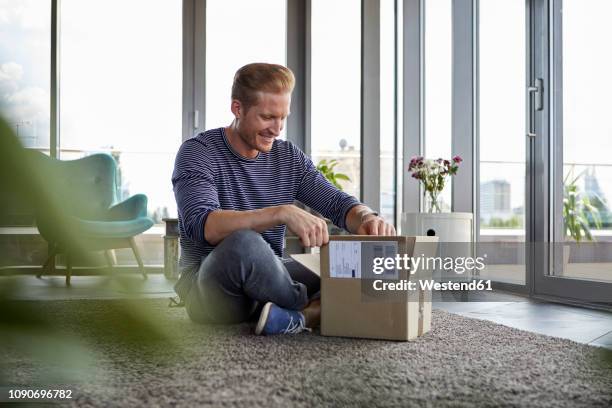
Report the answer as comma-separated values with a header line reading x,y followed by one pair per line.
x,y
433,174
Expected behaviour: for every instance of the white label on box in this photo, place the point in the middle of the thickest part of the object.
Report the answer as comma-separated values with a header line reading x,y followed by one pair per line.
x,y
345,259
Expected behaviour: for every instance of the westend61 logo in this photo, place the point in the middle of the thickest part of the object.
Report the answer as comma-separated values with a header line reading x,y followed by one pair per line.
x,y
458,264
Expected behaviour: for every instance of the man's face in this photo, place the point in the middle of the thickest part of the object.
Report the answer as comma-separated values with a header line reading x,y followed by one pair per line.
x,y
264,121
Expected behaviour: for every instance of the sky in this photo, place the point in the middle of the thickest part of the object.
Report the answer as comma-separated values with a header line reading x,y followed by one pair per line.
x,y
24,90
502,94
239,32
121,86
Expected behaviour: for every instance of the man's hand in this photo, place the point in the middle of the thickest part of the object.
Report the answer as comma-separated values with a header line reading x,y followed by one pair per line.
x,y
375,225
311,230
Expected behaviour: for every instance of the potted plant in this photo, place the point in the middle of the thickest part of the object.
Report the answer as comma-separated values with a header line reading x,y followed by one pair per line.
x,y
327,169
576,210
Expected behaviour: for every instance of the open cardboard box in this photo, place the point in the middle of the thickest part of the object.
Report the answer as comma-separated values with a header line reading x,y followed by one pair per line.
x,y
350,307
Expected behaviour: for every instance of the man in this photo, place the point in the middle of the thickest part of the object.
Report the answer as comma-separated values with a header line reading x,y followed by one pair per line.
x,y
235,189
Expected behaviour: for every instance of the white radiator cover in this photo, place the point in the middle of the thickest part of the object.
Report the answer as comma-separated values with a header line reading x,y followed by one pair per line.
x,y
454,227
449,227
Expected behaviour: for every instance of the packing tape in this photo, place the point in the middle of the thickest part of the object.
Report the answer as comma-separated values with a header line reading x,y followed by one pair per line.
x,y
421,309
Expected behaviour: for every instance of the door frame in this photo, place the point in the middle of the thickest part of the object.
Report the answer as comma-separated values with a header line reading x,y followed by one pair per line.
x,y
545,161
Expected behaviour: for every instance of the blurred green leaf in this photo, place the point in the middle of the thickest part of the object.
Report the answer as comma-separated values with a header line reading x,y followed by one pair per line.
x,y
30,331
327,170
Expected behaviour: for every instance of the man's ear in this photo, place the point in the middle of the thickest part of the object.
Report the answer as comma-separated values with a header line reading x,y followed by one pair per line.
x,y
237,108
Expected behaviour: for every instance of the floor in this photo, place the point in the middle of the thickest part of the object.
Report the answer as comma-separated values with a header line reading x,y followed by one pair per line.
x,y
513,273
581,325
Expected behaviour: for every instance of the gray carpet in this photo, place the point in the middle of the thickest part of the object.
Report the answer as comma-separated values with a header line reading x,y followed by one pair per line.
x,y
461,362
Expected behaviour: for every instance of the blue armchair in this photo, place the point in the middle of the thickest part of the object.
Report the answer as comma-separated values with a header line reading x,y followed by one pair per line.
x,y
80,212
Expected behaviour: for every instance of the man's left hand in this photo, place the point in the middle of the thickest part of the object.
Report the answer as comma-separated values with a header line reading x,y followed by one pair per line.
x,y
375,225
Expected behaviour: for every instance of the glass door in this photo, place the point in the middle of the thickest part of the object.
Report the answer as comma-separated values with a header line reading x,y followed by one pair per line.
x,y
577,180
502,167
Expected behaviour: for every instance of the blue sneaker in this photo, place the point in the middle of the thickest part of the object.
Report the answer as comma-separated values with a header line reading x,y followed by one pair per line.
x,y
276,320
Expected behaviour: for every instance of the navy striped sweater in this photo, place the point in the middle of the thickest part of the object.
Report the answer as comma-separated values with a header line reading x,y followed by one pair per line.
x,y
209,175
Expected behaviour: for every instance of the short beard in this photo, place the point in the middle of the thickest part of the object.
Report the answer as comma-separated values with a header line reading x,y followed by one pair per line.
x,y
245,139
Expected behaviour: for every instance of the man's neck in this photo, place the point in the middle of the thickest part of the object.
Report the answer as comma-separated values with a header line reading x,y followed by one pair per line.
x,y
238,144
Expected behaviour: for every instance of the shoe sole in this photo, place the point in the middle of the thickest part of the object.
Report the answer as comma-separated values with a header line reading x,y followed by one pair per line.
x,y
263,317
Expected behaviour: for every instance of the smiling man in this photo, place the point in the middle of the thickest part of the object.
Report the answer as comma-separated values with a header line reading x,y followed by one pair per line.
x,y
235,189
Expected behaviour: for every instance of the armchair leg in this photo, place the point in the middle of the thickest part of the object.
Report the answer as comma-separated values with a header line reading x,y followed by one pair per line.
x,y
49,265
111,258
68,268
138,258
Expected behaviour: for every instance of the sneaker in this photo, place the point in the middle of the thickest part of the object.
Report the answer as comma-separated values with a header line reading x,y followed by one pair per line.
x,y
276,320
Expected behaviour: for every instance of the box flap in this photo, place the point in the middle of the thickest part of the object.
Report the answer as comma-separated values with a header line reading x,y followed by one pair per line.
x,y
312,262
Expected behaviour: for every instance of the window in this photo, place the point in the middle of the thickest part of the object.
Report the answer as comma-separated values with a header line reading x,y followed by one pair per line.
x,y
438,85
399,114
25,56
587,128
121,91
502,79
585,184
388,116
232,42
336,87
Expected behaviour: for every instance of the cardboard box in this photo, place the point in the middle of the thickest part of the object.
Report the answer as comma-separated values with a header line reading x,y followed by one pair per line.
x,y
350,307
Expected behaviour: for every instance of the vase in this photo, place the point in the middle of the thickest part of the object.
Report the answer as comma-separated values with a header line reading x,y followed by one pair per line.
x,y
431,201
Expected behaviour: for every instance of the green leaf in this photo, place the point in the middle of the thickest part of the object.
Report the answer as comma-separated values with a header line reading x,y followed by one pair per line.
x,y
341,176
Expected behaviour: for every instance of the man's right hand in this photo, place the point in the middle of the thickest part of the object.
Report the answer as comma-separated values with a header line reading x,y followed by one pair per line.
x,y
311,230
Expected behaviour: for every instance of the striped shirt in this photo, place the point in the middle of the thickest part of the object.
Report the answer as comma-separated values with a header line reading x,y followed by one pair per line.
x,y
210,175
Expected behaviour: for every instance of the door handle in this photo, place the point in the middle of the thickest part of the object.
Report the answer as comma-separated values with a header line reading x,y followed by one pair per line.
x,y
196,119
537,91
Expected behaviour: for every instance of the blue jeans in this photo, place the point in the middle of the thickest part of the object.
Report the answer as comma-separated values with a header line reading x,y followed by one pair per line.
x,y
241,275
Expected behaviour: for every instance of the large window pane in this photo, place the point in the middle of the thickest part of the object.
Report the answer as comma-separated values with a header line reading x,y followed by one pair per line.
x,y
121,91
502,137
387,110
587,140
336,87
25,42
438,85
399,114
239,32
